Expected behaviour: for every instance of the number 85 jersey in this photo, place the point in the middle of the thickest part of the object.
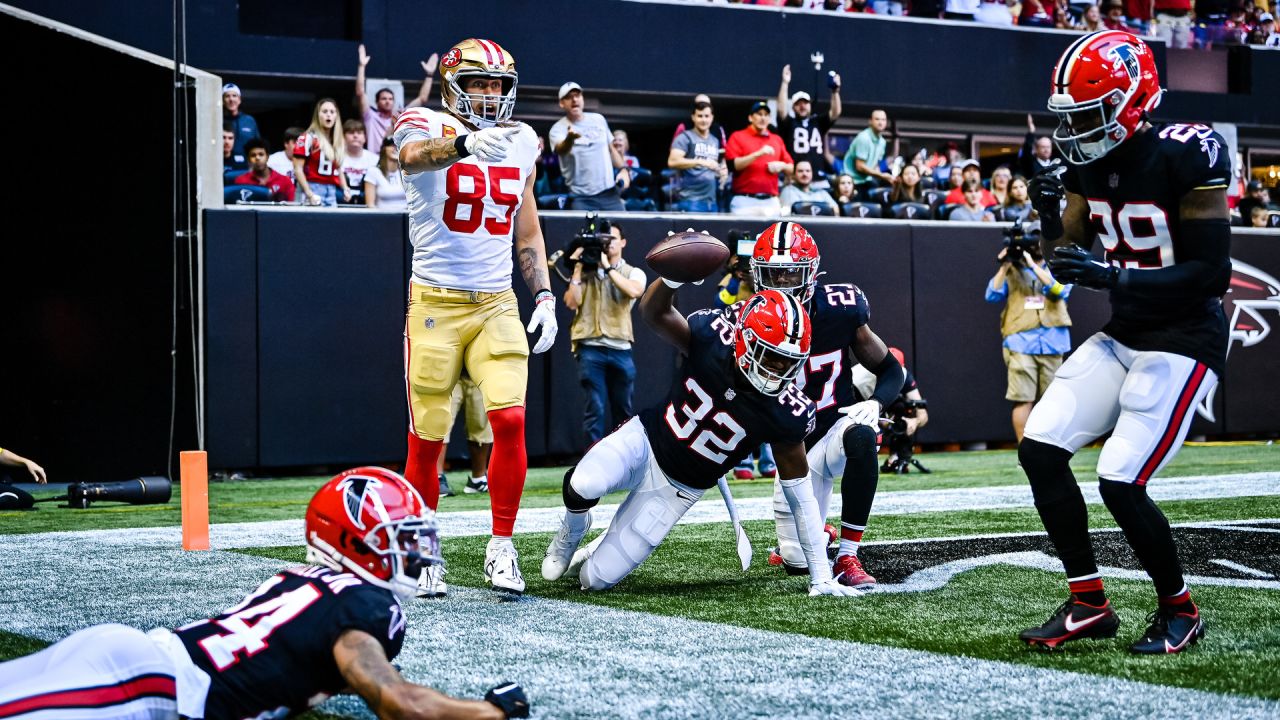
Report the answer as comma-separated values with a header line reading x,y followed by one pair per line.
x,y
461,218
714,417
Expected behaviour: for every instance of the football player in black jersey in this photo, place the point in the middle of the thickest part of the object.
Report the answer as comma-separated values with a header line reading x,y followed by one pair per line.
x,y
1155,195
302,636
846,435
735,391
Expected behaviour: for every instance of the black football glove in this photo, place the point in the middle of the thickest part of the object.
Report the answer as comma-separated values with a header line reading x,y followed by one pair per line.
x,y
1046,191
510,699
1074,264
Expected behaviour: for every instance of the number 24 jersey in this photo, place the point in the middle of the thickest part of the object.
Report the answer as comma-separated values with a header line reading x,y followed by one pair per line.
x,y
714,417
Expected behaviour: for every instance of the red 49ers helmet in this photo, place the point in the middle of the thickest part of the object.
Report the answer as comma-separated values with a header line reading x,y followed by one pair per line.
x,y
371,522
785,258
1103,86
771,340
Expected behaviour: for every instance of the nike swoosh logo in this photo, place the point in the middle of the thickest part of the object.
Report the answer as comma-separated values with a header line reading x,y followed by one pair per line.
x,y
1073,626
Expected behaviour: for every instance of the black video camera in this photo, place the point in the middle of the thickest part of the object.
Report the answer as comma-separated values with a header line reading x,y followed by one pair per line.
x,y
1018,243
594,238
742,244
896,438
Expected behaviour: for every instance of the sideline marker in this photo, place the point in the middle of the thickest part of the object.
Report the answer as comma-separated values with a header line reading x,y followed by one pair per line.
x,y
195,499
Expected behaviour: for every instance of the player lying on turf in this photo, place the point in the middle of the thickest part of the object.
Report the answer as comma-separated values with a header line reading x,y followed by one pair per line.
x,y
735,391
303,635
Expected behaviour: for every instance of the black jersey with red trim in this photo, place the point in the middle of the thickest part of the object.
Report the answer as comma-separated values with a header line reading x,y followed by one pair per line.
x,y
1134,195
714,417
272,655
835,314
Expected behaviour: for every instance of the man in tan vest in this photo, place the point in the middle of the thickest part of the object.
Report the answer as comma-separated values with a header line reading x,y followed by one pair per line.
x,y
601,296
1034,325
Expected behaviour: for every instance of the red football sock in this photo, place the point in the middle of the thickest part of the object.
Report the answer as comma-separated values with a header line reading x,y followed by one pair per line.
x,y
507,467
1088,590
420,468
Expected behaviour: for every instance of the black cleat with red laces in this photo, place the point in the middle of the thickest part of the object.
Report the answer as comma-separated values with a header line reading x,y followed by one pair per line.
x,y
1073,620
1170,632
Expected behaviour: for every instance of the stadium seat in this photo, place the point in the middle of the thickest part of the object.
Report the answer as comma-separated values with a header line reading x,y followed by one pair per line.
x,y
912,211
927,182
879,195
933,198
229,176
1273,220
555,201
943,212
811,208
998,212
235,194
861,210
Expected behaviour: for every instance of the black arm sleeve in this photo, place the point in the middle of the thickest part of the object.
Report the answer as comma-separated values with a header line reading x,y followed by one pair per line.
x,y
889,379
1206,270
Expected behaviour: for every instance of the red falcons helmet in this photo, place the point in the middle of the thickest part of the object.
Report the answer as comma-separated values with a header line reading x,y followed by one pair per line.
x,y
371,522
771,340
785,258
1103,87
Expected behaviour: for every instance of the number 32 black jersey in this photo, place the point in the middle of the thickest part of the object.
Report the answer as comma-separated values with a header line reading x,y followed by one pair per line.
x,y
271,656
715,417
1134,195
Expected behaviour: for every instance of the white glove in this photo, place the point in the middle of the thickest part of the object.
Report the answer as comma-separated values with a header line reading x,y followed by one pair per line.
x,y
544,316
832,588
490,144
866,412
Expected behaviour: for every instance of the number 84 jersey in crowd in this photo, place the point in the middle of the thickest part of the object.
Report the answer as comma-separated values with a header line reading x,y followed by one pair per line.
x,y
1134,194
714,417
461,218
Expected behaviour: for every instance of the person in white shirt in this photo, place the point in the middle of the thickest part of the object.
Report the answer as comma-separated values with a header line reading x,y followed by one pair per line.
x,y
588,157
358,161
384,184
282,160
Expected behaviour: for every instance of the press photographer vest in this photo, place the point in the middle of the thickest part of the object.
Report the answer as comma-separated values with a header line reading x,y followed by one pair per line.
x,y
605,311
1017,317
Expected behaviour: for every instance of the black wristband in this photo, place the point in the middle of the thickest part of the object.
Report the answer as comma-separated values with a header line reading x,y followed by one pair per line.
x,y
461,146
889,380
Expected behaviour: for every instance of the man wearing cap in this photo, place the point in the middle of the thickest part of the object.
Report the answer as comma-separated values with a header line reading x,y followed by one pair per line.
x,y
804,133
756,156
865,153
970,170
1265,32
588,158
244,126
1255,195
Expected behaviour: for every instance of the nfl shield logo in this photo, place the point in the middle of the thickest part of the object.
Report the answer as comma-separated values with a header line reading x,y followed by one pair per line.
x,y
431,323
1114,180
729,394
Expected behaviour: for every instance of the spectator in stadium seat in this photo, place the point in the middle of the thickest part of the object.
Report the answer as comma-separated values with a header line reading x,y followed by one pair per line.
x,y
974,208
244,126
1063,17
865,153
622,143
804,132
384,183
970,171
357,163
378,118
588,159
1264,30
695,156
231,159
1114,18
845,192
318,156
1173,22
282,160
906,187
716,128
757,156
1091,21
955,177
993,12
1000,183
1036,13
281,186
1017,206
1259,216
1037,151
1255,194
961,10
802,190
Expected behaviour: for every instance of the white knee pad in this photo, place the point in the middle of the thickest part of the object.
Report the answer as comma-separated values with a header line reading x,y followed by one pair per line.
x,y
642,522
785,524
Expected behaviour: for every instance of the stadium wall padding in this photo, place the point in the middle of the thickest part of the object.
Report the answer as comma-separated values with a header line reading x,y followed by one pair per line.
x,y
664,48
319,297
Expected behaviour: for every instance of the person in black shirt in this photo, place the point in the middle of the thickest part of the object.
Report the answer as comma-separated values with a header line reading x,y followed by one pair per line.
x,y
804,132
1155,195
305,634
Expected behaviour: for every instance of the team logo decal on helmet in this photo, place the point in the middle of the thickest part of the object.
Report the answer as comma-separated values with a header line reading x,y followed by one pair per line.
x,y
771,340
451,58
476,57
785,258
355,493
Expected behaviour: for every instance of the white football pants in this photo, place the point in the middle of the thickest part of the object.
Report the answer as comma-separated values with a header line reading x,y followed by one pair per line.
x,y
623,460
1149,398
826,463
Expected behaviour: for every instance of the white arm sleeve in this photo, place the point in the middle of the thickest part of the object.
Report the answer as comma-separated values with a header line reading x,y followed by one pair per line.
x,y
804,507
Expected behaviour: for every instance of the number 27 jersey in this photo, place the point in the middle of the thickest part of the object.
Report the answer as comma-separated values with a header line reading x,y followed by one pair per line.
x,y
461,218
714,417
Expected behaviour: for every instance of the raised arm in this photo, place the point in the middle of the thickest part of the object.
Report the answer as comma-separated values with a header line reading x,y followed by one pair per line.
x,y
661,315
836,107
784,92
362,101
429,72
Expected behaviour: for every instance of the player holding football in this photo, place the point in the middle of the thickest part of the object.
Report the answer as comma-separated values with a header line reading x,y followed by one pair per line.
x,y
305,634
469,183
1155,195
846,436
735,391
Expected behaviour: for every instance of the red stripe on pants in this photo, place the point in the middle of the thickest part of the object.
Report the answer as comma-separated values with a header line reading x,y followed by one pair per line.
x,y
1185,399
102,696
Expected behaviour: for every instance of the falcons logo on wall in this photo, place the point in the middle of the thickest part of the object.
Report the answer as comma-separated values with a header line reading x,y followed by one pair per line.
x,y
1251,295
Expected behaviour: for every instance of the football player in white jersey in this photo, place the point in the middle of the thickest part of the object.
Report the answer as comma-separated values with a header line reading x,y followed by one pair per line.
x,y
468,174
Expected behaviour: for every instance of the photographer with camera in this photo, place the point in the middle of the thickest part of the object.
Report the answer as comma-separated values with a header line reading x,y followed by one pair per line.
x,y
1034,322
602,290
902,419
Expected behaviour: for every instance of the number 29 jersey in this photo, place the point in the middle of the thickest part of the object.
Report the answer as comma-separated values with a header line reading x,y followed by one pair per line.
x,y
1134,195
714,417
461,218
272,655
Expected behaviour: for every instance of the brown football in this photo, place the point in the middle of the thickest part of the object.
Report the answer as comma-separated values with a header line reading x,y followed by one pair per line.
x,y
688,256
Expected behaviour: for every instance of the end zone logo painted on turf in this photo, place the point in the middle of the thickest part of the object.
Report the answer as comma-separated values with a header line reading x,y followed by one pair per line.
x,y
1251,295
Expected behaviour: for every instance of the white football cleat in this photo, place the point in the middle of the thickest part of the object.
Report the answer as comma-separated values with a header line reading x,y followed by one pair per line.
x,y
561,550
502,568
431,582
580,557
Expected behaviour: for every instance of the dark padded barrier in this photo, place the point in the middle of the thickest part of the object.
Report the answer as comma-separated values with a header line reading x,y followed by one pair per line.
x,y
1252,392
231,339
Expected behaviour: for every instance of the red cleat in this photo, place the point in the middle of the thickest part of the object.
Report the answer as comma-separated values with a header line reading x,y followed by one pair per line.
x,y
776,560
743,473
848,571
831,532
